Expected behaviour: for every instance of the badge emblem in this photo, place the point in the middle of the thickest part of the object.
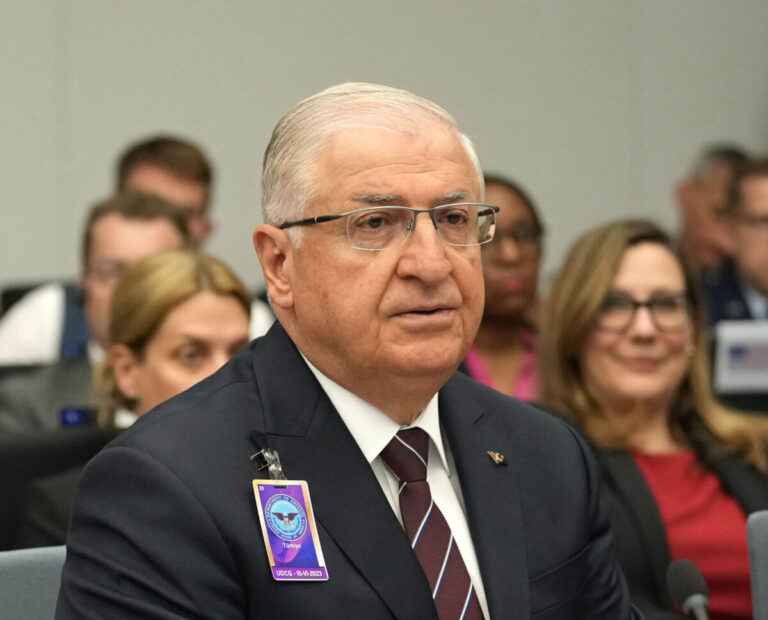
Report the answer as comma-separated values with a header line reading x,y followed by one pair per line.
x,y
285,517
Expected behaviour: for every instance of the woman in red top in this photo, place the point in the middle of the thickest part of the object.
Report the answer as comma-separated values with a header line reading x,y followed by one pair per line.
x,y
624,352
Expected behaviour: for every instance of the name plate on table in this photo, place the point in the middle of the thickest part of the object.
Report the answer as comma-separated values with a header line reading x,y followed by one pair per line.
x,y
741,357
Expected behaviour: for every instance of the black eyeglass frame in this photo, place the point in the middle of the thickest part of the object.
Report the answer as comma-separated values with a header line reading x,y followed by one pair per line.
x,y
649,304
749,219
320,219
525,236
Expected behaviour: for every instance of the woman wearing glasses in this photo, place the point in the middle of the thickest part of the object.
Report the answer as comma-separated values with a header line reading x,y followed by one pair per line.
x,y
624,352
504,352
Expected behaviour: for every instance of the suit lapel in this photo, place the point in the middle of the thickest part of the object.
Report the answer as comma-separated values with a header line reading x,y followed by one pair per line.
x,y
745,483
619,468
491,497
315,445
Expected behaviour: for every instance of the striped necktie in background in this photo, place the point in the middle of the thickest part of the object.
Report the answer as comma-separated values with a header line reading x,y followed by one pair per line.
x,y
406,455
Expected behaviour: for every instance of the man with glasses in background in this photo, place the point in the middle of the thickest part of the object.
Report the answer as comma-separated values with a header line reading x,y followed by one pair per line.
x,y
704,237
118,232
49,322
338,466
738,289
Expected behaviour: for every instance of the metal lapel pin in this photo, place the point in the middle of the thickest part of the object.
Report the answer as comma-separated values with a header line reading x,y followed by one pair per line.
x,y
497,457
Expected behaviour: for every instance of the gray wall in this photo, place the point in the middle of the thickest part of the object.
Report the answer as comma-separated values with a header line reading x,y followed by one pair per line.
x,y
596,106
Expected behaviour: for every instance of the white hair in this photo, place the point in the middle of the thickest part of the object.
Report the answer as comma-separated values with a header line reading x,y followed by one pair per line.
x,y
287,178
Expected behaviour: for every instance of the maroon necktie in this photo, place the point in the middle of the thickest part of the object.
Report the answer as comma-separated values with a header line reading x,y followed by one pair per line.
x,y
406,455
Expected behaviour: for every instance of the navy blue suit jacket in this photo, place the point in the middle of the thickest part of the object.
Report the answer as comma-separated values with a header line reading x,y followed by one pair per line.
x,y
165,524
722,294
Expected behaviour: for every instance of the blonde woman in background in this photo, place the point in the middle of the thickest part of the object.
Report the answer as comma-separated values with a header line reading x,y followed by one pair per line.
x,y
625,357
176,318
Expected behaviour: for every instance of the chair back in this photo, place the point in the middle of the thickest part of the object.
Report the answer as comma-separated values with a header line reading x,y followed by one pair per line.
x,y
26,456
29,582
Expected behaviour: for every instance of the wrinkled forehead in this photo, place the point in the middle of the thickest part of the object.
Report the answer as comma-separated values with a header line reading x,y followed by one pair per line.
x,y
385,159
130,239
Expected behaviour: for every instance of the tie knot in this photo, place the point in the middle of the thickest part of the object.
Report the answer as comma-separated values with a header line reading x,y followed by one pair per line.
x,y
406,455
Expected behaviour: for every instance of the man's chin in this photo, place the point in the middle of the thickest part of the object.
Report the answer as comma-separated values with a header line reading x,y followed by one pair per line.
x,y
427,361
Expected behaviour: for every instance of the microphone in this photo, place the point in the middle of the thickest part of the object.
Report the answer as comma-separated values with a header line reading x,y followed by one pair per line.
x,y
757,543
688,589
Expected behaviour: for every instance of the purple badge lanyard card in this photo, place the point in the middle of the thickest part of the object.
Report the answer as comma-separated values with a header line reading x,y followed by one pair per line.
x,y
287,523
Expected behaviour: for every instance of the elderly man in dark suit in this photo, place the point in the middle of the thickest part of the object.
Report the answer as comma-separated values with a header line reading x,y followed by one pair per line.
x,y
434,496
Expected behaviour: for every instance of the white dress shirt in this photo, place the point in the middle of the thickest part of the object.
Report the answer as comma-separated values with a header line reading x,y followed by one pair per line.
x,y
30,332
758,304
372,429
261,318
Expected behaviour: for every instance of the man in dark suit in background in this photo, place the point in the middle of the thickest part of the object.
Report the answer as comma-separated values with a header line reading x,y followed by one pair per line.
x,y
435,497
704,236
738,289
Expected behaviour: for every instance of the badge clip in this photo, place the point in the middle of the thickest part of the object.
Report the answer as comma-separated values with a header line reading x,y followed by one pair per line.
x,y
268,459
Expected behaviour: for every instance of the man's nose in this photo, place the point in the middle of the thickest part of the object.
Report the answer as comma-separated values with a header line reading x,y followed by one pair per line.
x,y
424,254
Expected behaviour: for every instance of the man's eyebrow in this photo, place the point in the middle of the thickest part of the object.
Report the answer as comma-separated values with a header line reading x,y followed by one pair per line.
x,y
395,199
447,199
379,199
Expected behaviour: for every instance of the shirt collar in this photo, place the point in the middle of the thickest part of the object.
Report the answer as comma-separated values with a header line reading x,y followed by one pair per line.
x,y
758,304
95,352
124,418
370,427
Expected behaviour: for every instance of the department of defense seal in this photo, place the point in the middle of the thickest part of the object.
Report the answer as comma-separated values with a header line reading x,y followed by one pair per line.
x,y
285,517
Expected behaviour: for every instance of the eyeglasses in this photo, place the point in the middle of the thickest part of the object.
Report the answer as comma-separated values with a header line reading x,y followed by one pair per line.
x,y
526,234
106,269
379,228
670,312
758,222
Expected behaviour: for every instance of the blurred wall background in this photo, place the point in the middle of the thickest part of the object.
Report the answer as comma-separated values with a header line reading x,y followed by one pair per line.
x,y
596,106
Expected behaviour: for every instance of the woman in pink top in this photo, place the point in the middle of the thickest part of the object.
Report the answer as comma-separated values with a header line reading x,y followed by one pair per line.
x,y
624,354
503,355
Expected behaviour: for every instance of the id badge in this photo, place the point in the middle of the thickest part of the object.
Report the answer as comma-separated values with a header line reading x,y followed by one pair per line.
x,y
289,530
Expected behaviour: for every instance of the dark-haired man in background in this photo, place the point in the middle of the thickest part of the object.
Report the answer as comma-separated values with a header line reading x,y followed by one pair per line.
x,y
176,170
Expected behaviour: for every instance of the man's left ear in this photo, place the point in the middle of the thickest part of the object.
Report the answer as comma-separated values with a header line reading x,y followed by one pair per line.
x,y
275,253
